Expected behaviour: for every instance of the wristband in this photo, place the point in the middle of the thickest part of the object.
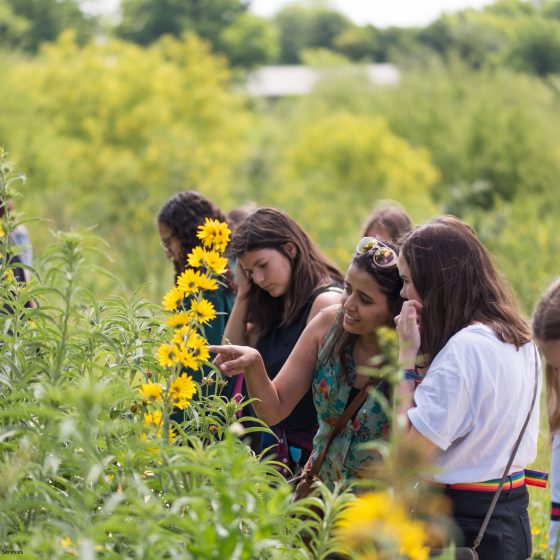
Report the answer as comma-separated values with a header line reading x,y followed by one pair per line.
x,y
413,375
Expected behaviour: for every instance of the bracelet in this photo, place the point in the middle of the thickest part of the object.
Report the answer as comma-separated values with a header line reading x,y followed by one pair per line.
x,y
413,375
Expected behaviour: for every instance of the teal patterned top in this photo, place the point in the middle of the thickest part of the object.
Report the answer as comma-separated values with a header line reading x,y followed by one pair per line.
x,y
332,384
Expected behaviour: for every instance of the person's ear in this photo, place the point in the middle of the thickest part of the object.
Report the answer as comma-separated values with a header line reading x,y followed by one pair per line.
x,y
290,249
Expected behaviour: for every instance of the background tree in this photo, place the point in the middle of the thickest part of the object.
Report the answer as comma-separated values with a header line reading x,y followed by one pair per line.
x,y
25,24
304,27
246,39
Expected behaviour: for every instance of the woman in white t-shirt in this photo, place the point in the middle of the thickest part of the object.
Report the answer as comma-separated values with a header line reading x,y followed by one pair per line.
x,y
462,324
546,329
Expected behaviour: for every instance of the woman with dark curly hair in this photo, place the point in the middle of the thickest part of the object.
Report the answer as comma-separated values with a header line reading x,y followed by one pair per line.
x,y
177,222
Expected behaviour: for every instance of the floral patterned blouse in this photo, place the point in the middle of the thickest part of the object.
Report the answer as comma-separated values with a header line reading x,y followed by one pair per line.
x,y
332,384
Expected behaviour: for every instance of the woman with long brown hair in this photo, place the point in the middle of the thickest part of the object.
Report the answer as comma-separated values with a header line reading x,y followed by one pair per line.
x,y
283,282
462,324
546,330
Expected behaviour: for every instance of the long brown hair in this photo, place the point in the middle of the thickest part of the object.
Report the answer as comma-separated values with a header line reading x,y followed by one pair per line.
x,y
269,228
458,283
546,328
392,218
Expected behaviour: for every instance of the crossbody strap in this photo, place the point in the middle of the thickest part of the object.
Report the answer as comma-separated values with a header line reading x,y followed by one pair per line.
x,y
343,419
510,462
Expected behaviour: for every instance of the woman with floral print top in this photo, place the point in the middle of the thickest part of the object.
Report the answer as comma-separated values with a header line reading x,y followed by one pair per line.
x,y
331,356
333,388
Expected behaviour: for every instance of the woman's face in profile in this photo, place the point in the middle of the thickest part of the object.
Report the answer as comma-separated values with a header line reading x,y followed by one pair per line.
x,y
170,243
269,269
365,306
551,352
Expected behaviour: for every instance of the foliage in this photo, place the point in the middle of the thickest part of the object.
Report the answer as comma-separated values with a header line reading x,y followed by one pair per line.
x,y
244,38
25,24
116,129
344,161
304,27
83,473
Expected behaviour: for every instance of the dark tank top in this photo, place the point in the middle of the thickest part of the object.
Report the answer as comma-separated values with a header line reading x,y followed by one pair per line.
x,y
275,347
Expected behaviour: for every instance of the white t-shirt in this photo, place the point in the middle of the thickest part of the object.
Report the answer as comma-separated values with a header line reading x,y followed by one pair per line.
x,y
472,405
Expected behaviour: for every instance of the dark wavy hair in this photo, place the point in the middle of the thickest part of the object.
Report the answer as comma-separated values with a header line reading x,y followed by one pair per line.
x,y
458,283
269,228
182,214
390,284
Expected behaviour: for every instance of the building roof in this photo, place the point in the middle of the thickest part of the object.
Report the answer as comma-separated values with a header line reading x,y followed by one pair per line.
x,y
281,81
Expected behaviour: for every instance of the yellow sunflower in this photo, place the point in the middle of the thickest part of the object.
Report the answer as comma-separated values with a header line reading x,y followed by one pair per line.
x,y
182,335
172,298
182,391
207,283
197,257
188,359
152,419
202,311
198,346
151,391
180,319
215,262
168,354
377,515
189,281
214,233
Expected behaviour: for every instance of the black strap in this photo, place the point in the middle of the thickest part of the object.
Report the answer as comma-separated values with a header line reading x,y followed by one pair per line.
x,y
510,462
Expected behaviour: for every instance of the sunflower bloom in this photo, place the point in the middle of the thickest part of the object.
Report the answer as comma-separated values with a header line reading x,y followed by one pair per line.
x,y
151,391
197,257
180,319
214,233
182,391
376,513
168,354
207,284
172,299
198,346
188,359
152,419
183,335
202,311
216,263
189,281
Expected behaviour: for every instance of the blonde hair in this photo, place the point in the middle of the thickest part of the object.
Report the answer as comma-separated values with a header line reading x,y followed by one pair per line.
x,y
546,328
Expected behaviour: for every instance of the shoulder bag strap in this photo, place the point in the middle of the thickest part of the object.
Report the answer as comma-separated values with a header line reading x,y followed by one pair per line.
x,y
343,419
510,462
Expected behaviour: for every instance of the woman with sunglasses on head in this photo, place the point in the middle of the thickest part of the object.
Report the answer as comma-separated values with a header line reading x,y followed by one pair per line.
x,y
462,323
546,330
339,341
177,222
284,281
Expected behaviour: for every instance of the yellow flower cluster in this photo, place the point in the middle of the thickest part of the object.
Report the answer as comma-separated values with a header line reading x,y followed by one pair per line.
x,y
214,234
375,525
190,312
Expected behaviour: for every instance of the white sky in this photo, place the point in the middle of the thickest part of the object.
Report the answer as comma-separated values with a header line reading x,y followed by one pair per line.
x,y
381,13
384,13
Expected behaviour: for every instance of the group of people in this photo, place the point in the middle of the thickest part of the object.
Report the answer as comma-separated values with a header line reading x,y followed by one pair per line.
x,y
303,339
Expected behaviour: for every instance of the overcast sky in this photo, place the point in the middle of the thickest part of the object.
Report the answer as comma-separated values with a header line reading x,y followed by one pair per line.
x,y
384,13
381,13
